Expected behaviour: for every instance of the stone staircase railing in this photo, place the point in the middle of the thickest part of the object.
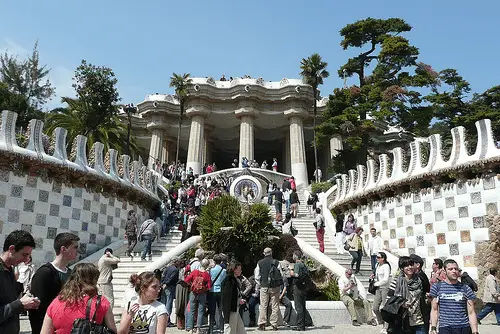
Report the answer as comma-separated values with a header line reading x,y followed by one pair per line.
x,y
132,179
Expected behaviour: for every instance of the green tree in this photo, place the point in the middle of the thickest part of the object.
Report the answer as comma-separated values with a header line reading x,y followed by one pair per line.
x,y
180,83
313,72
391,92
25,79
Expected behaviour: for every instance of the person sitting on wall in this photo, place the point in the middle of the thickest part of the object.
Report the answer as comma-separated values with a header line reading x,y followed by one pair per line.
x,y
352,298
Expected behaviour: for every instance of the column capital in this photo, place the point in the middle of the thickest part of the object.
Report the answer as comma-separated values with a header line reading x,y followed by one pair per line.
x,y
246,111
156,125
296,112
197,110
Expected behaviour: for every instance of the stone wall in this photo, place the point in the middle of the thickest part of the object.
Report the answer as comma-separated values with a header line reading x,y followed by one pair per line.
x,y
44,191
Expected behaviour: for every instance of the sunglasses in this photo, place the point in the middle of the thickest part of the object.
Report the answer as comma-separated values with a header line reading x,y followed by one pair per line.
x,y
379,257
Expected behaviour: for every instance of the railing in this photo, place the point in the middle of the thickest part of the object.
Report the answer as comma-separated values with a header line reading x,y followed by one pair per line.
x,y
274,177
178,250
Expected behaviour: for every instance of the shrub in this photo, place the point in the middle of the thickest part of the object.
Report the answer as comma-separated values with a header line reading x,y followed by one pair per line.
x,y
285,246
320,187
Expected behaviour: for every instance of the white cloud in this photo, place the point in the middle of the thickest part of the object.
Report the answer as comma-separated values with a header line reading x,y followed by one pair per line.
x,y
13,48
62,79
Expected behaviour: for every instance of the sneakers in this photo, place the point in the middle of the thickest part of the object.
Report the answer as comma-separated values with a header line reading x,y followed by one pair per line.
x,y
262,327
355,323
372,322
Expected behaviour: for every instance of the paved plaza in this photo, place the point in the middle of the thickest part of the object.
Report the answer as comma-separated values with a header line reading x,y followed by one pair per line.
x,y
487,328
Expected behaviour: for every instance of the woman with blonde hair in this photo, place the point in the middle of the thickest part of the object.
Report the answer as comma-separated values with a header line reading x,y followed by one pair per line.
x,y
147,316
77,293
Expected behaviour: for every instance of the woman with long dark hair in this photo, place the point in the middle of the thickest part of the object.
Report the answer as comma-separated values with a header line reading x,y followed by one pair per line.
x,y
72,302
147,312
231,300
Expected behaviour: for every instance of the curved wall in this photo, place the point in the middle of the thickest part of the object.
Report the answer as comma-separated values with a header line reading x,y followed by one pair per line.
x,y
44,191
417,209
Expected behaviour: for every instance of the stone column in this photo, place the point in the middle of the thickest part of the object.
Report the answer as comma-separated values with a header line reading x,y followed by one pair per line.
x,y
298,150
156,147
246,137
287,162
335,145
195,149
206,153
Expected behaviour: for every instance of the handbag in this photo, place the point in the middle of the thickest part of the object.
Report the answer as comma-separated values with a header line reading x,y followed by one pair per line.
x,y
391,312
371,287
347,247
293,230
87,325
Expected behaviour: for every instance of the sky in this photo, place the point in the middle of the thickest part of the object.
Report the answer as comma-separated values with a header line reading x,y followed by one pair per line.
x,y
144,42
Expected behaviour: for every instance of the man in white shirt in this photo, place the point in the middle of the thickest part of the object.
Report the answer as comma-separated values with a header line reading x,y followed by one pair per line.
x,y
374,246
352,298
318,174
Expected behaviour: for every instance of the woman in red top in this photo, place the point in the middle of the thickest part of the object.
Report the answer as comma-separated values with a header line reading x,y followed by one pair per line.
x,y
72,301
198,294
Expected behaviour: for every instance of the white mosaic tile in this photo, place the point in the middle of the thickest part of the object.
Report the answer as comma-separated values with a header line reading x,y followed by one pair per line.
x,y
479,234
467,248
442,250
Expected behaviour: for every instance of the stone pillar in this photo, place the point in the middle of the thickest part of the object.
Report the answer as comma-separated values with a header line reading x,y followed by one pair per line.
x,y
156,147
298,150
206,153
246,137
195,149
287,162
335,145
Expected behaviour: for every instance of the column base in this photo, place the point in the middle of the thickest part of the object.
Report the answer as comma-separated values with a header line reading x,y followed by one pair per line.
x,y
196,166
299,172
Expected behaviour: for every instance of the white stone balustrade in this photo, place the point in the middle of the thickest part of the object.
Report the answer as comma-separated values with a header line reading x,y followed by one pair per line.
x,y
355,185
35,150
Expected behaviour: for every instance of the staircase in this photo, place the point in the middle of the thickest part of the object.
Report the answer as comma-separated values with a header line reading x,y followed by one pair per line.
x,y
307,232
131,265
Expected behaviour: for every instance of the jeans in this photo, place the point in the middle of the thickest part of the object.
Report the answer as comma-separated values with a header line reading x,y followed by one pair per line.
x,y
252,302
278,207
214,301
148,238
374,262
420,329
487,309
287,206
379,302
169,297
196,303
356,259
132,241
165,226
451,330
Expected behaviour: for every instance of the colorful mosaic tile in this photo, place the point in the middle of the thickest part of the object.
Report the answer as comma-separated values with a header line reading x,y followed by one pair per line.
x,y
393,233
29,205
56,187
385,225
408,210
16,191
431,250
427,206
402,243
437,193
420,240
416,197
418,219
463,212
438,215
475,198
441,238
469,261
31,181
391,213
478,222
429,228
461,188
450,202
400,222
489,183
454,249
452,225
409,231
491,209
465,236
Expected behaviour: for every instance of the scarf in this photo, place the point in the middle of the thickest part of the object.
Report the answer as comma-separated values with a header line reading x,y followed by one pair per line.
x,y
404,286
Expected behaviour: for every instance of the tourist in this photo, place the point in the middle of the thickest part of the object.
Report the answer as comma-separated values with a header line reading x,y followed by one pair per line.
x,y
264,164
195,262
147,312
426,288
319,225
72,302
169,280
246,288
191,228
285,185
293,185
217,275
438,274
50,277
352,298
275,165
25,271
452,304
231,301
131,232
339,233
235,163
301,278
466,279
253,299
181,296
375,245
350,225
408,286
317,175
161,295
200,282
17,247
269,278
223,78
382,283
278,203
148,233
491,296
286,199
106,264
294,203
356,248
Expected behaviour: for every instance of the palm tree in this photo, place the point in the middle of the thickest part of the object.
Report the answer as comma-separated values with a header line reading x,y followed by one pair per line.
x,y
112,132
313,73
180,84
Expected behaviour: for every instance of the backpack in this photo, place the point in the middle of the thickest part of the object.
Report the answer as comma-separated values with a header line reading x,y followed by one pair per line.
x,y
274,278
199,286
87,325
467,280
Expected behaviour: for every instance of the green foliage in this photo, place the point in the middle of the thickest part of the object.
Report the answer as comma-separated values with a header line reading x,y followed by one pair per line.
x,y
390,93
320,187
330,290
24,87
180,83
243,235
285,247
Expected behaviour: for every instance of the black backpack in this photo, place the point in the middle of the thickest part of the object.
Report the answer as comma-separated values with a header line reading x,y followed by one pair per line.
x,y
274,278
87,325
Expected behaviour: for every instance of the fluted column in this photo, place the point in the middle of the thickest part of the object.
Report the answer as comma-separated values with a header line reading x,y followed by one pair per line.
x,y
287,162
246,137
206,149
156,147
298,150
195,148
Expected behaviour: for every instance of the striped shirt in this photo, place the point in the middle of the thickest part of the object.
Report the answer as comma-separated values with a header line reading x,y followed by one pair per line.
x,y
452,303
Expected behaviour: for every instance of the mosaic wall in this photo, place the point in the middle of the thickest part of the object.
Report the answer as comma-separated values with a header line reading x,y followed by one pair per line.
x,y
46,209
444,222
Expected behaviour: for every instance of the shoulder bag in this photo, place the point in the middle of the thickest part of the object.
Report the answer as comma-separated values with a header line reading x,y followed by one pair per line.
x,y
87,325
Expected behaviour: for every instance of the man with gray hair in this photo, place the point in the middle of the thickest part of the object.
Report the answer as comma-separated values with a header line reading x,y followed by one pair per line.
x,y
352,298
269,277
195,262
